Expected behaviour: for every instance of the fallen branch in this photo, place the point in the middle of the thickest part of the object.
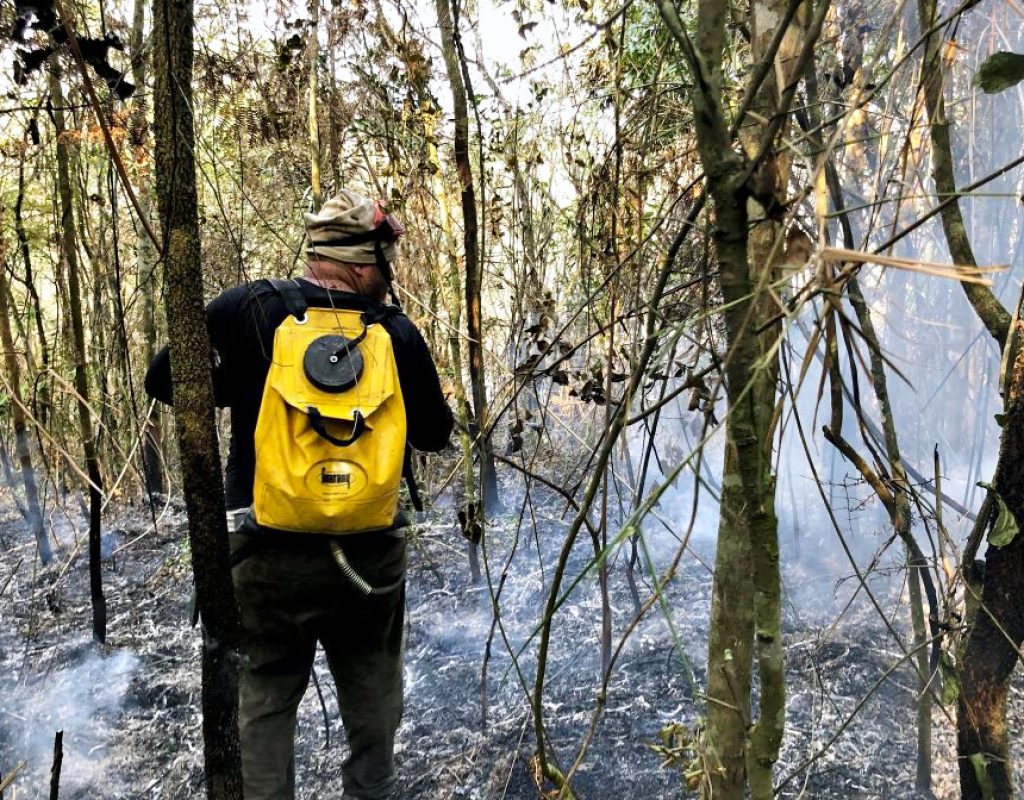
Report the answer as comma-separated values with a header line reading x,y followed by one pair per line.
x,y
10,777
11,577
957,272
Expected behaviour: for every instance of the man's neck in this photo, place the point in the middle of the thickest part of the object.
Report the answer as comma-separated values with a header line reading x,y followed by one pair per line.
x,y
328,281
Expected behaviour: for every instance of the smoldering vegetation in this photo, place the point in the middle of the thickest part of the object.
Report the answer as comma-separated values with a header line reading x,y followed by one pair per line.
x,y
130,715
84,698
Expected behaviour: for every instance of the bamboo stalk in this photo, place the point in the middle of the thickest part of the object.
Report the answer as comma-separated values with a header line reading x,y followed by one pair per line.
x,y
923,764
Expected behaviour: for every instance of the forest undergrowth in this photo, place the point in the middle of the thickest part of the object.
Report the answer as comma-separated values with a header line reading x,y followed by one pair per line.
x,y
130,712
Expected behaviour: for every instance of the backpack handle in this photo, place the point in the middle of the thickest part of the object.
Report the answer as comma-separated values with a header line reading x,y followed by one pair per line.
x,y
316,422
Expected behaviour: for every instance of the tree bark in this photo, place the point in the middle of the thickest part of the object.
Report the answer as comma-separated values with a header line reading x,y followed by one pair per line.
x,y
923,771
761,376
451,278
191,364
55,767
43,405
730,642
747,192
997,633
69,253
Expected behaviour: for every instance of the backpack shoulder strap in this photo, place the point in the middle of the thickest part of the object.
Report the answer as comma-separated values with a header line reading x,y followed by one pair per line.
x,y
410,479
379,312
291,294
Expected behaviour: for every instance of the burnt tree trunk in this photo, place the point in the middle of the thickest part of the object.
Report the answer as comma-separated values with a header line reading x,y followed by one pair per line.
x,y
42,408
191,363
55,767
69,253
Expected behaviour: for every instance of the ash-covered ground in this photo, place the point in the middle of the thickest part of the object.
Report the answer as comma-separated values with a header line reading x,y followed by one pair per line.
x,y
130,710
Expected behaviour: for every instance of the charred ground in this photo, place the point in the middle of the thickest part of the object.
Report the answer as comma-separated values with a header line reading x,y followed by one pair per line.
x,y
130,711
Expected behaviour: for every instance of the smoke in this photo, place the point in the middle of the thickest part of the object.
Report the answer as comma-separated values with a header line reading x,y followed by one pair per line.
x,y
83,700
942,370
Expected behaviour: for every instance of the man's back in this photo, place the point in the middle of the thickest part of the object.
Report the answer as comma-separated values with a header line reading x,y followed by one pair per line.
x,y
242,322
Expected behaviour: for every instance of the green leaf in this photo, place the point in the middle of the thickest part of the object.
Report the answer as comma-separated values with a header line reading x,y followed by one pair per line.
x,y
1005,528
981,773
1000,71
950,680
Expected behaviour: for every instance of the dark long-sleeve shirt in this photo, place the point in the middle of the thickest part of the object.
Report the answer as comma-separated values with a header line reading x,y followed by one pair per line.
x,y
241,323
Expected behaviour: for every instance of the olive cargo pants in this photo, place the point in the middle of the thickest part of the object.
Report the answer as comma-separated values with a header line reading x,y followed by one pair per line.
x,y
291,595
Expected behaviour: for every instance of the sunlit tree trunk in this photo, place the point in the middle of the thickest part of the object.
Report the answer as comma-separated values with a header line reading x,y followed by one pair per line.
x,y
454,341
334,122
69,254
746,498
760,375
313,59
191,361
472,266
747,192
145,252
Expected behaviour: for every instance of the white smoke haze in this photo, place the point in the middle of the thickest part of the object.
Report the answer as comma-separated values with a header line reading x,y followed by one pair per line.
x,y
945,398
83,700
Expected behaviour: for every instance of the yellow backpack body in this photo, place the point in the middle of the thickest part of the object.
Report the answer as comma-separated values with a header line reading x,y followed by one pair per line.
x,y
330,438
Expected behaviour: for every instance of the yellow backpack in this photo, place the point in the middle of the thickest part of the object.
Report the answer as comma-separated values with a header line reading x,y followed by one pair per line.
x,y
330,437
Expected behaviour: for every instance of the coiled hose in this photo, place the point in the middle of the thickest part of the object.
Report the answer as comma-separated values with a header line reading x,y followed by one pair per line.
x,y
358,582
